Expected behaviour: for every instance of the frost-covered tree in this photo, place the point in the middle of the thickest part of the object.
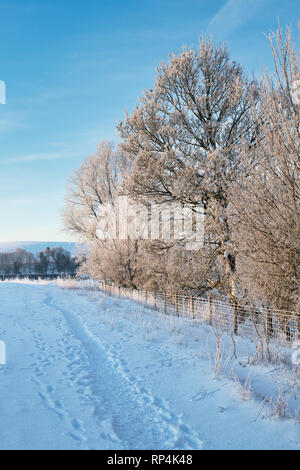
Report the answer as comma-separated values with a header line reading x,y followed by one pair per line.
x,y
266,199
94,185
183,141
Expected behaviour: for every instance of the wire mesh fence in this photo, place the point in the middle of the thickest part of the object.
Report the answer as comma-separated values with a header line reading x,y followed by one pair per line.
x,y
263,324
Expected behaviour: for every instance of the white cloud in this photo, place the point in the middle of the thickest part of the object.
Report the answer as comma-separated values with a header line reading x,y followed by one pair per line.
x,y
33,157
233,15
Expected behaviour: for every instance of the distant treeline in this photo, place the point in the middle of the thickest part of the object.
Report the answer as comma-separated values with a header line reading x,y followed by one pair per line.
x,y
48,261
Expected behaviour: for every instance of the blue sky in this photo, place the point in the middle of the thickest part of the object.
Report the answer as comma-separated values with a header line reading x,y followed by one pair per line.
x,y
73,67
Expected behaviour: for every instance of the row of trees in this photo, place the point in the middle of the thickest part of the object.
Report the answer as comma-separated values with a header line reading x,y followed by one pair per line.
x,y
55,260
210,137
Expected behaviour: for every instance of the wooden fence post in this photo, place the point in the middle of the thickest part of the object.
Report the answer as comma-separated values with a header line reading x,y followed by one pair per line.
x,y
165,302
176,304
210,315
235,317
268,323
192,307
268,327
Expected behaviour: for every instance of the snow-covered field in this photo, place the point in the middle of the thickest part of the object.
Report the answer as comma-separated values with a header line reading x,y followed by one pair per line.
x,y
87,371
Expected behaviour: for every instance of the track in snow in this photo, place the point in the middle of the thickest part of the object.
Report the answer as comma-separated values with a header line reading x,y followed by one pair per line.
x,y
69,389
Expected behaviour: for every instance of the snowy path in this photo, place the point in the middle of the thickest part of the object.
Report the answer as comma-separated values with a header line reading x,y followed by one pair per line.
x,y
84,374
63,390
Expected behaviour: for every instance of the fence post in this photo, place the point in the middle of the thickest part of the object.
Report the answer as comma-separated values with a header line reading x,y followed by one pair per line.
x,y
210,315
268,323
268,329
165,302
192,307
235,316
176,304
